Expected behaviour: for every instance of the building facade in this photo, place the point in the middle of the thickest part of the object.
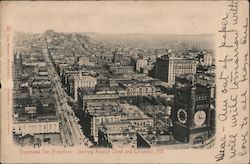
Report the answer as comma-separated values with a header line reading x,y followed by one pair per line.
x,y
169,67
138,89
208,59
191,115
83,82
117,135
120,69
36,126
94,120
142,125
17,66
141,64
85,97
98,114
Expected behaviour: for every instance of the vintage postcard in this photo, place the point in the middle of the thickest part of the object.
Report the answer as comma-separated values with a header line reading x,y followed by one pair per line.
x,y
125,81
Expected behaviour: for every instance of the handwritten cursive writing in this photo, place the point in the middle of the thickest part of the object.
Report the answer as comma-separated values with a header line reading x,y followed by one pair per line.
x,y
232,145
243,146
243,40
244,69
234,109
225,83
233,6
244,101
221,154
225,61
224,30
223,116
236,61
244,122
233,83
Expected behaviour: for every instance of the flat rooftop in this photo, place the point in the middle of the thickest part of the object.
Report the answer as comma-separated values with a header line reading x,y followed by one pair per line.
x,y
103,109
29,118
132,112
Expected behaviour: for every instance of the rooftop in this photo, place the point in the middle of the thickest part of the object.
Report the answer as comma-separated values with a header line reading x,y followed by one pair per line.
x,y
159,138
132,112
84,77
28,118
136,82
167,57
103,109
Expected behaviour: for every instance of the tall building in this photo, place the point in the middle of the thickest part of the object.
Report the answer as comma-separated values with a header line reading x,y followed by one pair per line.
x,y
191,115
98,113
17,66
140,64
82,82
118,56
208,59
168,67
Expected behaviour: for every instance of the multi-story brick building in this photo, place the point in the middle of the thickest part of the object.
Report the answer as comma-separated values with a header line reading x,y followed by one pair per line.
x,y
168,67
82,82
98,114
138,88
117,135
33,124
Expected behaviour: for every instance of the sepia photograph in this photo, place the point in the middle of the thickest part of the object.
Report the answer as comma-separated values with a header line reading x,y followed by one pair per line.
x,y
74,88
121,77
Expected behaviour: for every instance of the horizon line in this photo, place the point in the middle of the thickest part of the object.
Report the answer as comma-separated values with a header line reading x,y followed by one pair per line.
x,y
136,33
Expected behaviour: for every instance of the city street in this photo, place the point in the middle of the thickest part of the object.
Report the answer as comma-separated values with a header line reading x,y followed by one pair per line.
x,y
70,129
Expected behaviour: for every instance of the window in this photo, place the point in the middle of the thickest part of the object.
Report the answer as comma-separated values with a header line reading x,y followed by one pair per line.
x,y
198,140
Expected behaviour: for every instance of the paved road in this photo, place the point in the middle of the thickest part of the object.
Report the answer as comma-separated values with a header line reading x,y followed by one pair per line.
x,y
70,129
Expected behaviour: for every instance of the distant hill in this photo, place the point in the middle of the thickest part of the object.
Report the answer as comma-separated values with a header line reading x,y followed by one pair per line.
x,y
204,41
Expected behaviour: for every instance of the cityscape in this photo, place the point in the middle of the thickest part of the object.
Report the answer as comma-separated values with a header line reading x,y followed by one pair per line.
x,y
73,89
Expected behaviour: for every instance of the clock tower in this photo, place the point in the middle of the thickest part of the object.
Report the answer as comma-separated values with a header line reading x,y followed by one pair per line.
x,y
191,112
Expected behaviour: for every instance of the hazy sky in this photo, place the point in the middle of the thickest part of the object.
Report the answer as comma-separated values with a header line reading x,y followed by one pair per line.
x,y
113,17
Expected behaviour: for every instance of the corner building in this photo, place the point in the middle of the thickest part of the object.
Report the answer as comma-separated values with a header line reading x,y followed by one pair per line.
x,y
167,68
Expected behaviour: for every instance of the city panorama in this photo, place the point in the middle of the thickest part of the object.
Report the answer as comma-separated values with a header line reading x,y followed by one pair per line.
x,y
113,90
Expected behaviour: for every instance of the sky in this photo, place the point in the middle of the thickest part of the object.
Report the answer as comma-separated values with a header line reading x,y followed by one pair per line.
x,y
160,17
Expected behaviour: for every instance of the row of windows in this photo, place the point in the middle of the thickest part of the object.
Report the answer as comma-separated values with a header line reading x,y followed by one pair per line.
x,y
142,123
141,89
201,97
172,75
40,127
186,66
140,93
105,119
182,71
87,82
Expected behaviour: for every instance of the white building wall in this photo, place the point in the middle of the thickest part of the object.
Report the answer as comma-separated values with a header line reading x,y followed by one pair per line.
x,y
36,127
